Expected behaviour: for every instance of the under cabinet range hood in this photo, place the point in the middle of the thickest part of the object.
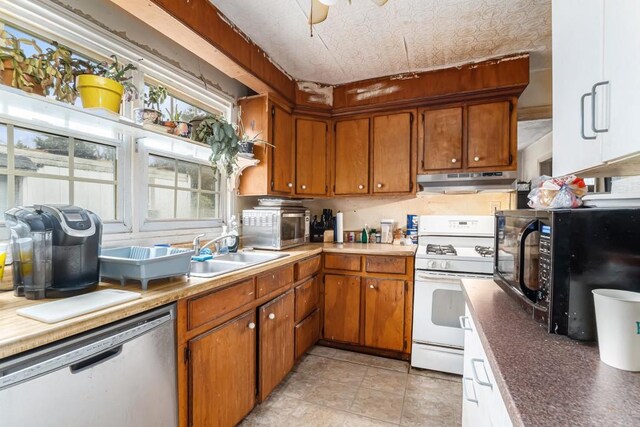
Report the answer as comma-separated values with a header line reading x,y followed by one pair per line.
x,y
467,182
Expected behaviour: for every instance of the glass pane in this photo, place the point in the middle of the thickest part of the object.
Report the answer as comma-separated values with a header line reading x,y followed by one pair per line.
x,y
209,180
161,203
447,307
3,147
187,110
41,152
99,198
208,206
4,191
187,205
32,190
94,161
187,175
162,171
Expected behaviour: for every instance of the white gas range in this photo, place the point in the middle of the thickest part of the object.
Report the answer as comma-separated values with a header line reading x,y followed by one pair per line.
x,y
449,248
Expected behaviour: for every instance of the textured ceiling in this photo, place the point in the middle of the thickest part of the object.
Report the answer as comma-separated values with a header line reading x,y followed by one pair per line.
x,y
362,41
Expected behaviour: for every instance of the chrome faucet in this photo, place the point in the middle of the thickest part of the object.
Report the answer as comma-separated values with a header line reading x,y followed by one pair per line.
x,y
216,241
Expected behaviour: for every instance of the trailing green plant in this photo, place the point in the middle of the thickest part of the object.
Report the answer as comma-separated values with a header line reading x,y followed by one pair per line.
x,y
61,69
113,70
28,72
155,96
223,140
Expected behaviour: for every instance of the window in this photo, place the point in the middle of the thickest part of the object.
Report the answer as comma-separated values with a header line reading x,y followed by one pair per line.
x,y
181,190
187,110
40,167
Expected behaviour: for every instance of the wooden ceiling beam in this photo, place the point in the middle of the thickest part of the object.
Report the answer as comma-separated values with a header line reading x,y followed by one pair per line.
x,y
199,27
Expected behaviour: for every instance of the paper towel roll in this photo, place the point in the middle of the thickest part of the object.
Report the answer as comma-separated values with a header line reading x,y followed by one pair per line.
x,y
339,228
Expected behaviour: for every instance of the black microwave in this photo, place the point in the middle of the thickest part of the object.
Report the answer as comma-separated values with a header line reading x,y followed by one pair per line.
x,y
550,261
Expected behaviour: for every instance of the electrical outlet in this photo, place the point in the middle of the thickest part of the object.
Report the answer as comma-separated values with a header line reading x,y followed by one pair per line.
x,y
495,206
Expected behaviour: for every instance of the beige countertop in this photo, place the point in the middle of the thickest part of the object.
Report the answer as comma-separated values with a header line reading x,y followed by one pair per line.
x,y
547,379
18,334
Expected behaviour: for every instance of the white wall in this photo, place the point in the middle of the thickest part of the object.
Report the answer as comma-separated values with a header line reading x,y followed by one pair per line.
x,y
530,157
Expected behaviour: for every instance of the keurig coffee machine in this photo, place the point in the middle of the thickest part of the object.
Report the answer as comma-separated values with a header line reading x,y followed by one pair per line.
x,y
55,248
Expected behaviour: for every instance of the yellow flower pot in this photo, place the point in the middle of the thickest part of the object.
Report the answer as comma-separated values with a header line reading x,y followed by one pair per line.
x,y
99,92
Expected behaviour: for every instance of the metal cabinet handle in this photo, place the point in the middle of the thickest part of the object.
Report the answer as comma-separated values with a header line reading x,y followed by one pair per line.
x,y
463,323
476,159
272,316
454,160
464,390
475,373
304,187
594,89
290,185
372,286
584,136
379,185
252,325
360,187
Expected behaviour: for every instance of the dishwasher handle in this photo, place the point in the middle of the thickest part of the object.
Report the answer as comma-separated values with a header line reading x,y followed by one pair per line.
x,y
89,353
95,360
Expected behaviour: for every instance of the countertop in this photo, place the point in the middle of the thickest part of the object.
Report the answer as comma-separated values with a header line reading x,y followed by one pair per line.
x,y
547,379
18,334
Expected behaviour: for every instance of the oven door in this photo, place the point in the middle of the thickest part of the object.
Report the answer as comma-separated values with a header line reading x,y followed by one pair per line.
x,y
437,306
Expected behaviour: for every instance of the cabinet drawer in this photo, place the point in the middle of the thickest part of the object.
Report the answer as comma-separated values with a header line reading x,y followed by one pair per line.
x,y
386,264
307,295
308,267
269,282
342,262
213,305
307,333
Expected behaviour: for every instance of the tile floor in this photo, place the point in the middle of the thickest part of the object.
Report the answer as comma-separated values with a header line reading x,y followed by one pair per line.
x,y
331,387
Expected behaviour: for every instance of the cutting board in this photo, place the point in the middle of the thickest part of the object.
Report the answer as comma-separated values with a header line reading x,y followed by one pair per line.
x,y
57,311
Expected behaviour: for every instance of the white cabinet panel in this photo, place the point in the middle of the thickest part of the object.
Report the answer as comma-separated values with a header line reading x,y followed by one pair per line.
x,y
577,65
622,70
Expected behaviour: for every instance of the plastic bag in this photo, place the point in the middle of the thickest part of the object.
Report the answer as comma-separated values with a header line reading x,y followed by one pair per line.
x,y
555,193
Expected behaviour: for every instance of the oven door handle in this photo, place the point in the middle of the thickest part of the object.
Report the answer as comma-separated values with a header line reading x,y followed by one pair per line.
x,y
522,240
463,323
429,278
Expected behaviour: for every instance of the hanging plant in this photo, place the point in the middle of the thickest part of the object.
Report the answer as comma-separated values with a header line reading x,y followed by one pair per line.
x,y
221,136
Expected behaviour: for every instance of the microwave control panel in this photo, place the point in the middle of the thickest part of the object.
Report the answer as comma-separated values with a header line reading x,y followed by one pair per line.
x,y
544,272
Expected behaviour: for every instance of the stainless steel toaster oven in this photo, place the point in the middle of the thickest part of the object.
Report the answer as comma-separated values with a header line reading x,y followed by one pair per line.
x,y
275,227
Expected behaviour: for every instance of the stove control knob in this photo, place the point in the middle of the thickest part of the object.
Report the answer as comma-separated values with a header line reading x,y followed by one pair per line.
x,y
432,264
444,264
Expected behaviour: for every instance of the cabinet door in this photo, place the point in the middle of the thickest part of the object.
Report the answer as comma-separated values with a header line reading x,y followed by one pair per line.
x,y
488,136
392,141
352,157
222,373
384,314
282,159
276,342
621,69
441,140
342,308
311,157
577,28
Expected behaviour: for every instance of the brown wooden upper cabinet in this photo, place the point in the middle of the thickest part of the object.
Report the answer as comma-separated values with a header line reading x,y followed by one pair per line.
x,y
311,157
488,136
392,147
274,175
351,166
479,137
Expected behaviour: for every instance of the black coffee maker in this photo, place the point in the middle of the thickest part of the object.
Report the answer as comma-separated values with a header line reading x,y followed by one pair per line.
x,y
75,238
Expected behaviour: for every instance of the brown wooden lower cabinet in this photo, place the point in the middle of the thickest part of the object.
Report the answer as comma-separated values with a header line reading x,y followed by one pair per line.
x,y
307,333
342,308
222,373
276,320
384,314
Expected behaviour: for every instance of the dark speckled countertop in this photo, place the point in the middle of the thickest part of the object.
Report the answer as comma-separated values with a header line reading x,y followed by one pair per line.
x,y
546,379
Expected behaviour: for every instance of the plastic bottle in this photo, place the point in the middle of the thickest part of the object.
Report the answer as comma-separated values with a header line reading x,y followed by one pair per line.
x,y
365,234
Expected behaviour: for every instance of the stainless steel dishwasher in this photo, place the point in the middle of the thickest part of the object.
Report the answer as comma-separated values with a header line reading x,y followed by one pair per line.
x,y
123,374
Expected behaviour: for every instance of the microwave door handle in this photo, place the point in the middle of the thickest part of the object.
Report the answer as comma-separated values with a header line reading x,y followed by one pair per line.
x,y
522,240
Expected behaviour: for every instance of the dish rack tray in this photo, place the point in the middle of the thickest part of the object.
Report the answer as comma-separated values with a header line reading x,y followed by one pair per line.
x,y
144,263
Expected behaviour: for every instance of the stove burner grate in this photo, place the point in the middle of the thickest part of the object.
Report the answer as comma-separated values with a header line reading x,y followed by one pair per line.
x,y
486,251
440,250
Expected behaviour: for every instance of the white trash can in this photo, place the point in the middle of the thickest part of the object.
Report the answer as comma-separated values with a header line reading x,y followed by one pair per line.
x,y
618,324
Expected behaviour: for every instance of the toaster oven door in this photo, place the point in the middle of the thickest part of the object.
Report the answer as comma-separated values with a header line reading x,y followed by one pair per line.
x,y
294,228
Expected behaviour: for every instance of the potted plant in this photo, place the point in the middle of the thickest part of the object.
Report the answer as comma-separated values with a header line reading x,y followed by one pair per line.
x,y
18,70
223,140
247,142
177,125
61,71
103,85
151,114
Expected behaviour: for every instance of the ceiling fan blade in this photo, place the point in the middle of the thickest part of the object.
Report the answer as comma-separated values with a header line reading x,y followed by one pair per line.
x,y
380,2
319,12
